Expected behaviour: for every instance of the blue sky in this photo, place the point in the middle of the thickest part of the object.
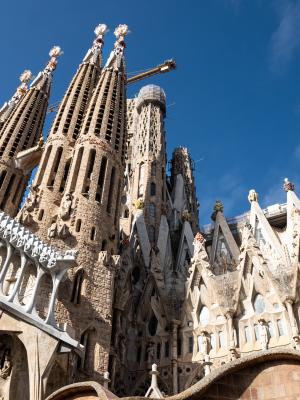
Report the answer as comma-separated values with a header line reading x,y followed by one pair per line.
x,y
234,99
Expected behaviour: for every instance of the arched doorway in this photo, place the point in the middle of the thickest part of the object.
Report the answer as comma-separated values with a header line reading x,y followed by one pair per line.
x,y
13,368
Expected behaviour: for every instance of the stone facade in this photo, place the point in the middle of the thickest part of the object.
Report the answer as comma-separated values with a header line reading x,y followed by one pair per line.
x,y
105,272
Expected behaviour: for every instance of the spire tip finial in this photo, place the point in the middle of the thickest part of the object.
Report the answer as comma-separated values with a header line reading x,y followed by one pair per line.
x,y
121,30
288,186
26,76
101,30
54,53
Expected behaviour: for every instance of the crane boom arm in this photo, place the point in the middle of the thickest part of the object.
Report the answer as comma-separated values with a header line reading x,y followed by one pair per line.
x,y
167,66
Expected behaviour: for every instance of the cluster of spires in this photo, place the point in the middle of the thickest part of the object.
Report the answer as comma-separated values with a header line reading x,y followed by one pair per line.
x,y
19,134
26,77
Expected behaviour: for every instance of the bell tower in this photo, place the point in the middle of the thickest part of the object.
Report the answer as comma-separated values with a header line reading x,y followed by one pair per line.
x,y
21,131
96,173
79,209
10,105
51,177
148,159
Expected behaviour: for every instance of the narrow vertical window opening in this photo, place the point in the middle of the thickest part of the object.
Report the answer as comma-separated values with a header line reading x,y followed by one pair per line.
x,y
78,225
89,172
55,167
93,233
76,169
101,179
111,190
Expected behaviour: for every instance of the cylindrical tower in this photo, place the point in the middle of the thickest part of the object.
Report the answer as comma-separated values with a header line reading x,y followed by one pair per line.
x,y
87,217
149,157
21,131
54,167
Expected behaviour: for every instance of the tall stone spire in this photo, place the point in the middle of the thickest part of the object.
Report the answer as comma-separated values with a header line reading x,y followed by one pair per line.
x,y
8,107
147,159
21,131
96,173
54,167
84,214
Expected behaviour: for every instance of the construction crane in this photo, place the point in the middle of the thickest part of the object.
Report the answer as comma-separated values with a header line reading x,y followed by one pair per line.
x,y
166,66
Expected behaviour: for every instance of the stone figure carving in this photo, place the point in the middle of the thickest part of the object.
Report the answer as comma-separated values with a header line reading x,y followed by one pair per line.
x,y
59,230
52,231
252,196
218,207
156,266
66,205
233,355
207,365
186,216
139,203
198,243
6,367
150,352
32,199
296,344
205,342
263,335
200,256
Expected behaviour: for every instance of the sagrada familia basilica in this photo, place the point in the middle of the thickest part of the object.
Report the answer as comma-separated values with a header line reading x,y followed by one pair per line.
x,y
108,287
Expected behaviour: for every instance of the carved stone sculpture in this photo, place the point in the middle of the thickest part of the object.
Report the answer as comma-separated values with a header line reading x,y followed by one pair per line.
x,y
253,196
263,335
207,365
296,342
52,231
32,199
233,355
65,210
205,342
150,352
6,367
